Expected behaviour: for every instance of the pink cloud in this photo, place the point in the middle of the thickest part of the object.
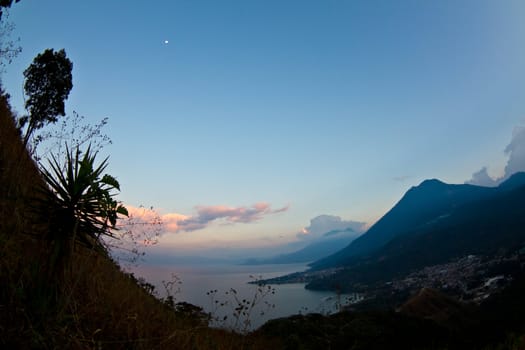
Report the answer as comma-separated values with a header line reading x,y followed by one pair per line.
x,y
174,222
171,221
207,214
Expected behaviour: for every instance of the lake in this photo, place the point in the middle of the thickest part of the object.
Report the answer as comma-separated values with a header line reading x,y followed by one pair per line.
x,y
209,286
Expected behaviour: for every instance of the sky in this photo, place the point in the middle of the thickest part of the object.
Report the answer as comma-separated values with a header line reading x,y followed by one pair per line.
x,y
245,123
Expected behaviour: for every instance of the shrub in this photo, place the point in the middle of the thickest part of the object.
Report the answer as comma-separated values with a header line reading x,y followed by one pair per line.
x,y
79,202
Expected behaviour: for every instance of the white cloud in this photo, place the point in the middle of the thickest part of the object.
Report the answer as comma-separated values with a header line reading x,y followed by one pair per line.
x,y
516,152
515,163
323,224
482,178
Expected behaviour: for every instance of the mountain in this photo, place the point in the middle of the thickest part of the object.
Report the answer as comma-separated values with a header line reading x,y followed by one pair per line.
x,y
514,181
421,206
329,243
491,225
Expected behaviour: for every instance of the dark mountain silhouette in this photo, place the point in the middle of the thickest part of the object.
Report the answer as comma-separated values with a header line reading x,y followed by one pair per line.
x,y
421,208
330,243
491,225
514,181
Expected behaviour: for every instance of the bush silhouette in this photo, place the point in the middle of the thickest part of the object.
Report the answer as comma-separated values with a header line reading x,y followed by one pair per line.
x,y
80,202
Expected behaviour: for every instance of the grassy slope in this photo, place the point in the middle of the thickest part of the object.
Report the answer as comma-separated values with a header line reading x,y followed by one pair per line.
x,y
91,304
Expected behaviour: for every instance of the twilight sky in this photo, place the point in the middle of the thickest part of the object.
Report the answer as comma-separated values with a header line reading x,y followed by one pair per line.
x,y
240,121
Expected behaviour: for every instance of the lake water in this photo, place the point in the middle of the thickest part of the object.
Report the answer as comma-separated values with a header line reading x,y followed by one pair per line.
x,y
198,280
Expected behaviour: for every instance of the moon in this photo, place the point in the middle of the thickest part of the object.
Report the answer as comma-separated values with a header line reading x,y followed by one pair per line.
x,y
166,42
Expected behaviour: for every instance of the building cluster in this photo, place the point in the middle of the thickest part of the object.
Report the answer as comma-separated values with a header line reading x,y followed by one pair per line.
x,y
470,278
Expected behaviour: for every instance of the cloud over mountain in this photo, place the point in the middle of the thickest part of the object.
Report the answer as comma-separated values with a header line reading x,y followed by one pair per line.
x,y
482,178
516,152
516,161
323,224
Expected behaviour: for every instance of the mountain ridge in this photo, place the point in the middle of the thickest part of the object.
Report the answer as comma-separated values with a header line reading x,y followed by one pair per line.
x,y
431,201
329,243
488,227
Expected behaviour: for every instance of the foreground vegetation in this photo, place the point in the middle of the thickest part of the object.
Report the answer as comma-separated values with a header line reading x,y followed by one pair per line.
x,y
86,302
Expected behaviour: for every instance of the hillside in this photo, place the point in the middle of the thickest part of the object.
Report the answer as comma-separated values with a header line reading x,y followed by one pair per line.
x,y
89,302
489,226
431,304
432,200
428,320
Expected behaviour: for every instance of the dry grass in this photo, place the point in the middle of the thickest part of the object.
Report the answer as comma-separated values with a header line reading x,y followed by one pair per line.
x,y
91,304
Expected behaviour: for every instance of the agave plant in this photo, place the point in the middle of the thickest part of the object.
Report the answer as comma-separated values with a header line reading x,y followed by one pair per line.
x,y
81,200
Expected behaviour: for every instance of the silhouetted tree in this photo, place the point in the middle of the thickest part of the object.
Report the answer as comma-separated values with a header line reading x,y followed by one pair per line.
x,y
48,81
6,4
